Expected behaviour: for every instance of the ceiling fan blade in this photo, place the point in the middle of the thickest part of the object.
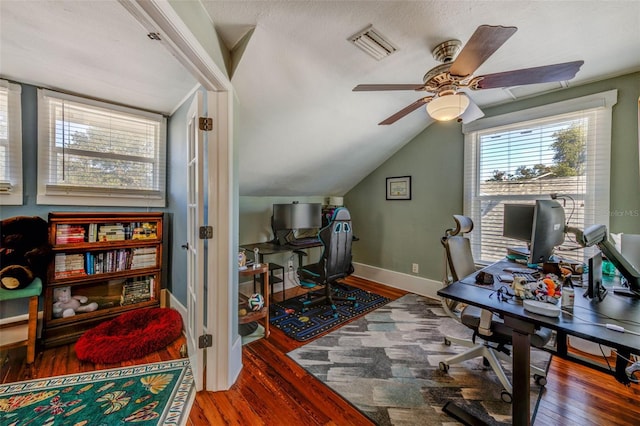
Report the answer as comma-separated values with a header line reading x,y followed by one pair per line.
x,y
406,110
472,113
375,87
544,74
482,44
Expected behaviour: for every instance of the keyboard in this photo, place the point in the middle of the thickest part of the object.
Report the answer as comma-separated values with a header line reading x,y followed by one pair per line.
x,y
304,241
528,277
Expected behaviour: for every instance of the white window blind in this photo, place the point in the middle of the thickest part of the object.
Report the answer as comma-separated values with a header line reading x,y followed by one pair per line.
x,y
94,153
561,149
10,144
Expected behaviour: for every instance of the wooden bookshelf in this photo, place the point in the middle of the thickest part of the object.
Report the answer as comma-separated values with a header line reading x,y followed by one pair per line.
x,y
112,259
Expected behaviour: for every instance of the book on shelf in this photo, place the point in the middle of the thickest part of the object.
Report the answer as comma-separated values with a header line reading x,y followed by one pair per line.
x,y
137,291
69,265
111,236
92,237
69,234
116,260
143,257
145,231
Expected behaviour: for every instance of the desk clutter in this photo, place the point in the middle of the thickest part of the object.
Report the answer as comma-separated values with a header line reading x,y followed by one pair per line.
x,y
540,291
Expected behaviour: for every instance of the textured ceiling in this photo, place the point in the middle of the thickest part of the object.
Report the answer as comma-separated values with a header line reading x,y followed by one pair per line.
x,y
92,48
313,135
302,131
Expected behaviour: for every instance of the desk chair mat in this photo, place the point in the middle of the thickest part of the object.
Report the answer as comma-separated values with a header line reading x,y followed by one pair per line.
x,y
302,326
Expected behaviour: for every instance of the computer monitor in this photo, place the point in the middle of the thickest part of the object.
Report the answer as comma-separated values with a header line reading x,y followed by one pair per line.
x,y
518,221
287,217
630,273
547,231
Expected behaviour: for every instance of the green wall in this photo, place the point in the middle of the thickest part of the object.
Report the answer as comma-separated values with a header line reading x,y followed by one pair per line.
x,y
395,234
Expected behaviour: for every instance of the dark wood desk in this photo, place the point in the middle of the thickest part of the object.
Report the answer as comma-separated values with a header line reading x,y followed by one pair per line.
x,y
614,309
268,248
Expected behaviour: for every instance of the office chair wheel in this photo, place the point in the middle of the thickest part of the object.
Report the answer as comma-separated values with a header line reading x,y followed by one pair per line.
x,y
447,342
444,366
540,380
506,396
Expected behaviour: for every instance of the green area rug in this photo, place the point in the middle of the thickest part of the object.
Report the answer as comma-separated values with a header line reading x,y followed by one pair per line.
x,y
149,394
386,364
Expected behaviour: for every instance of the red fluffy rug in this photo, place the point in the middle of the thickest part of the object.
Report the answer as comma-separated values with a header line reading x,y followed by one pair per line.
x,y
131,335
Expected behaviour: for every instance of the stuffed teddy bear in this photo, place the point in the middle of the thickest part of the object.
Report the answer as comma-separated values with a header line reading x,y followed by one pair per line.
x,y
66,305
24,251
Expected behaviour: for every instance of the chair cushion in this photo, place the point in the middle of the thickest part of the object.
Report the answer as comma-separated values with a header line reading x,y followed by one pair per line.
x,y
470,317
33,289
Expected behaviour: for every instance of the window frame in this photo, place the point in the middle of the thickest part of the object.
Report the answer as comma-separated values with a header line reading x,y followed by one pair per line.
x,y
600,104
13,144
59,194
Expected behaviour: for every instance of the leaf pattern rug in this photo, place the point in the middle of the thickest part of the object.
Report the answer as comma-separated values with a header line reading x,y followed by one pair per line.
x,y
386,364
150,394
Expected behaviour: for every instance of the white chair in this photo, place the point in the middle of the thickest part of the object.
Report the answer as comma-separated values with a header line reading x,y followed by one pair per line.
x,y
495,342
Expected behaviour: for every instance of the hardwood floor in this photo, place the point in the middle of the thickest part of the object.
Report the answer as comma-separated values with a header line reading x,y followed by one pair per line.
x,y
274,390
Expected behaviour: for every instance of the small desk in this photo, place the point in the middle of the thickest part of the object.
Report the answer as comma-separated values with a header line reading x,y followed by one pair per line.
x,y
524,323
263,270
269,248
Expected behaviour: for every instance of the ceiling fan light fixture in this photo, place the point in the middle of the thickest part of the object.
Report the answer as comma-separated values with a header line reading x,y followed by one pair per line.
x,y
445,108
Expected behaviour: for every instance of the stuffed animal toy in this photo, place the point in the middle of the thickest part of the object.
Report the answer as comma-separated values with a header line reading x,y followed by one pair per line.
x,y
66,305
24,251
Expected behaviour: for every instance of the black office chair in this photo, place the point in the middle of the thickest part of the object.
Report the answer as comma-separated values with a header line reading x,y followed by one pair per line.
x,y
496,337
335,261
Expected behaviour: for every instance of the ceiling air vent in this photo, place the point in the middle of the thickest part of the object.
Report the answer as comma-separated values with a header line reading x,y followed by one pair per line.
x,y
373,43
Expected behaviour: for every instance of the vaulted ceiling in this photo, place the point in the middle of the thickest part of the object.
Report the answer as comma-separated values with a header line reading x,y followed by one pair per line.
x,y
302,131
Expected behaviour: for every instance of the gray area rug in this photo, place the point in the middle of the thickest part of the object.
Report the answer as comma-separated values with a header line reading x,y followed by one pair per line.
x,y
386,365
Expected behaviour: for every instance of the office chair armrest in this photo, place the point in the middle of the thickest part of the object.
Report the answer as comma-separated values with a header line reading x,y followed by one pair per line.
x,y
300,252
484,328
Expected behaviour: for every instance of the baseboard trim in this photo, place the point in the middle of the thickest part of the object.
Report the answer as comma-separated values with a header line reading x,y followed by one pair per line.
x,y
182,310
15,321
410,283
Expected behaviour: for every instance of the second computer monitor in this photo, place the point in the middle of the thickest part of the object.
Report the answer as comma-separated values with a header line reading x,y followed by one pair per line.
x,y
547,231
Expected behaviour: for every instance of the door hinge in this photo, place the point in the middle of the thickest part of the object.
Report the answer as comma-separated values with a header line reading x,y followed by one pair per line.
x,y
206,232
205,123
205,341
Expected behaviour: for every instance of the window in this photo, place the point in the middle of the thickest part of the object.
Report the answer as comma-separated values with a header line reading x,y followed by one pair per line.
x,y
94,153
10,144
562,149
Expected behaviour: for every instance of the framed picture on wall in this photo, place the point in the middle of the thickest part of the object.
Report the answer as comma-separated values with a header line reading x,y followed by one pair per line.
x,y
399,188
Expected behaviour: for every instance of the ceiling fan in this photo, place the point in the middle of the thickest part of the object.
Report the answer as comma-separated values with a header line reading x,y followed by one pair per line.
x,y
444,81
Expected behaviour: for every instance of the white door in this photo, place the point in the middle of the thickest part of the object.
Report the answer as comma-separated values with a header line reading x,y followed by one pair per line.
x,y
212,178
195,245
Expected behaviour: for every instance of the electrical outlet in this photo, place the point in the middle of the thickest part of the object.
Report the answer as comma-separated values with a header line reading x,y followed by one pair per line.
x,y
414,268
290,265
